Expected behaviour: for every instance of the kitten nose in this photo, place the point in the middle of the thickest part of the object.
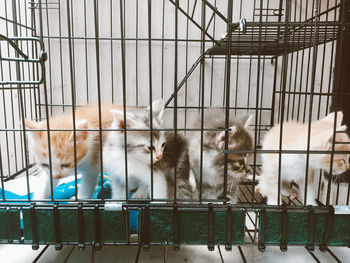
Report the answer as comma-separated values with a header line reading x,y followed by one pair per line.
x,y
56,176
159,157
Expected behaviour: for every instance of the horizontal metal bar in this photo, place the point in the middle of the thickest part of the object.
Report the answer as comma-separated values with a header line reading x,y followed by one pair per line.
x,y
109,129
169,107
126,39
287,151
167,206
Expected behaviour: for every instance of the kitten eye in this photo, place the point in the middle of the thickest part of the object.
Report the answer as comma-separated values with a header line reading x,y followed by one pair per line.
x,y
65,165
151,148
45,165
241,162
163,144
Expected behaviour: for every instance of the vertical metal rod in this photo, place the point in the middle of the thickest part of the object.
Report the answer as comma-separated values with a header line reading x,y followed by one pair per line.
x,y
283,84
302,61
186,63
296,62
313,77
124,96
111,43
322,66
237,67
2,177
331,62
37,96
61,55
46,107
175,87
212,65
86,55
73,98
201,98
163,30
228,86
262,83
4,102
49,52
150,88
292,69
257,102
308,67
97,46
336,86
137,55
21,102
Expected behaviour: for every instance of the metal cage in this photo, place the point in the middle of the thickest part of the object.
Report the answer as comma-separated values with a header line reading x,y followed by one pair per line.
x,y
276,60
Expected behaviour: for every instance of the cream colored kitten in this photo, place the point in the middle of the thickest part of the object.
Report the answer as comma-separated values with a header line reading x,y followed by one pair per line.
x,y
293,166
62,148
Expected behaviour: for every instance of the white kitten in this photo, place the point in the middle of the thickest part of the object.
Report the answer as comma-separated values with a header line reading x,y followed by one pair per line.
x,y
293,166
138,154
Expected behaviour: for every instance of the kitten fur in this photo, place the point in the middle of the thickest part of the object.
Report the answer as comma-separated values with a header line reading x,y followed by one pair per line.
x,y
293,166
214,158
176,160
62,147
166,156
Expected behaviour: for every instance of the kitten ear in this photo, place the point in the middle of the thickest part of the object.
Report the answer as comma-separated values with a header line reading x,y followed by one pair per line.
x,y
330,118
248,120
220,141
33,125
118,120
157,108
81,125
244,120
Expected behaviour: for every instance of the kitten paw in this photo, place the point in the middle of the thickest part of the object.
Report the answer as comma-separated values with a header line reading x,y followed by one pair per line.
x,y
140,195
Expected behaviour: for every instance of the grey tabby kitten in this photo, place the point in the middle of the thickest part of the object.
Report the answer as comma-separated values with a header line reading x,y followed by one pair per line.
x,y
214,158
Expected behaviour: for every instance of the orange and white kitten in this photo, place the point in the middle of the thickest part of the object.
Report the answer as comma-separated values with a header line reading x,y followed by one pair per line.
x,y
293,166
62,148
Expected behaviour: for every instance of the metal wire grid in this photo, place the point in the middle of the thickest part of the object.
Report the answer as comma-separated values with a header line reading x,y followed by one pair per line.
x,y
265,40
328,94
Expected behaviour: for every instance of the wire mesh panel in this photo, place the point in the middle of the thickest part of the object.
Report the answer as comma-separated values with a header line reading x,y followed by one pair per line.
x,y
146,116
